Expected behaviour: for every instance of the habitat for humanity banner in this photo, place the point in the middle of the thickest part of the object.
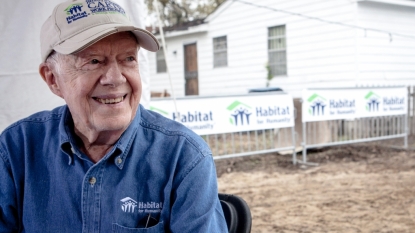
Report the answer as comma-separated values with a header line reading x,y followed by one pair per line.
x,y
332,104
229,114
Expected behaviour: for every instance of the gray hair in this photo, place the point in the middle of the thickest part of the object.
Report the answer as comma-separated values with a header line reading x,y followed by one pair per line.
x,y
55,60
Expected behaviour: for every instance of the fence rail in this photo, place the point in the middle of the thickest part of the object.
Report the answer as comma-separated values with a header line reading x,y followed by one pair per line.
x,y
340,132
350,130
238,144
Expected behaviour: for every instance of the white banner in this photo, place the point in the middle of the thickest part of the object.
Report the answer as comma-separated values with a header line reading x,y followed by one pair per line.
x,y
332,104
231,113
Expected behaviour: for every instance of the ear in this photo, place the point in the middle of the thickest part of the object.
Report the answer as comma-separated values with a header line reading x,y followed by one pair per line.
x,y
49,76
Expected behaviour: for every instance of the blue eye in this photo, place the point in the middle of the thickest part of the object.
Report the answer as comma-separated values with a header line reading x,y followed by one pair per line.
x,y
130,58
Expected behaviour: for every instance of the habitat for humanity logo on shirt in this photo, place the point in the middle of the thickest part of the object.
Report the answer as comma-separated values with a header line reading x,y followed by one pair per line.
x,y
129,205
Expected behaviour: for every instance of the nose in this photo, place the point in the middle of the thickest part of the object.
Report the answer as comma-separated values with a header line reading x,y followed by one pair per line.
x,y
112,75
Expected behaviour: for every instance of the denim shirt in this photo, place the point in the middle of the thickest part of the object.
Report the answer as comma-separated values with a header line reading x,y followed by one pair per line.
x,y
158,177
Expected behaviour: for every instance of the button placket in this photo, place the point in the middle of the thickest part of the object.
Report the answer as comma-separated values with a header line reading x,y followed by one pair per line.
x,y
92,191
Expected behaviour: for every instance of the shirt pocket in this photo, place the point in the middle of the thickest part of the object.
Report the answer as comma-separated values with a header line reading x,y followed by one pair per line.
x,y
158,228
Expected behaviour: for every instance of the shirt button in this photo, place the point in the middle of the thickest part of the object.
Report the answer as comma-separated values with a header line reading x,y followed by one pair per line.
x,y
92,180
119,160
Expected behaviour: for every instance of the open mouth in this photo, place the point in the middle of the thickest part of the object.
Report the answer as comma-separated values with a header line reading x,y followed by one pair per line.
x,y
110,100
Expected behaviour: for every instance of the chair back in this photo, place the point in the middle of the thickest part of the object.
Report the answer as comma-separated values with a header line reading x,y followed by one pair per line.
x,y
237,213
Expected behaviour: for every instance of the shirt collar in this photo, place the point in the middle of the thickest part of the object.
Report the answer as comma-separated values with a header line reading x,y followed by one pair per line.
x,y
120,149
65,132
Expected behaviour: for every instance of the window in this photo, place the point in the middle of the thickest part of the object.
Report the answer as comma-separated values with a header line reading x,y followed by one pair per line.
x,y
277,54
220,52
161,62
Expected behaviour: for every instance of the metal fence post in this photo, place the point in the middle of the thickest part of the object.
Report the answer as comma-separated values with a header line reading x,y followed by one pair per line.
x,y
304,142
294,153
406,131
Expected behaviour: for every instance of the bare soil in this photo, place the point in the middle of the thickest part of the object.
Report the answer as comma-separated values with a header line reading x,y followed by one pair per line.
x,y
354,188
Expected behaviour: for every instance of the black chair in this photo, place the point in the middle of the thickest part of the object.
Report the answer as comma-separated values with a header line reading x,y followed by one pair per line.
x,y
237,213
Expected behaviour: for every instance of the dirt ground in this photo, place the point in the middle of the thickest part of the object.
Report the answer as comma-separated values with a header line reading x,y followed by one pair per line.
x,y
355,188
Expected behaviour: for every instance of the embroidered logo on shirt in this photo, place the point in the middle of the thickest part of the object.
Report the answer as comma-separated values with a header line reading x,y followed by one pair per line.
x,y
128,205
150,207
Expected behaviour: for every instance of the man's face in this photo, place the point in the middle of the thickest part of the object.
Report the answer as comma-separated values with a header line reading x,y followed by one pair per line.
x,y
101,84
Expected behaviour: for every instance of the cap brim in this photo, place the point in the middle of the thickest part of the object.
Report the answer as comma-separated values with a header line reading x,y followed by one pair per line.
x,y
90,36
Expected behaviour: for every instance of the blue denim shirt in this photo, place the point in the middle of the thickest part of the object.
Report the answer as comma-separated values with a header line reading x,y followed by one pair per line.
x,y
158,177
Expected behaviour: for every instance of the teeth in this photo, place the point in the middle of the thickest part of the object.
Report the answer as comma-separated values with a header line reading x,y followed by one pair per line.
x,y
111,101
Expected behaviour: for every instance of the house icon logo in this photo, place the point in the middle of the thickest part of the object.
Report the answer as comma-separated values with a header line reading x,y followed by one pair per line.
x,y
240,113
128,205
74,12
372,104
73,9
317,105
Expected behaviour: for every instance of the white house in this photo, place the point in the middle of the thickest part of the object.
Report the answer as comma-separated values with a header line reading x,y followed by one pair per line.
x,y
307,43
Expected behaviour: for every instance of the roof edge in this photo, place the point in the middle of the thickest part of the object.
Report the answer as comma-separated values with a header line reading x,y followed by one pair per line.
x,y
392,2
222,7
202,28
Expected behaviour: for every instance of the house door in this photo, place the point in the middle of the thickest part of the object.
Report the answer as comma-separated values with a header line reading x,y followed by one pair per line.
x,y
190,70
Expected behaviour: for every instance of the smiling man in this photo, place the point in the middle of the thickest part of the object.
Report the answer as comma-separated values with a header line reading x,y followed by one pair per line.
x,y
102,163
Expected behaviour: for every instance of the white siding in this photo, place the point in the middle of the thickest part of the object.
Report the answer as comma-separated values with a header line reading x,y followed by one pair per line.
x,y
383,61
319,54
160,81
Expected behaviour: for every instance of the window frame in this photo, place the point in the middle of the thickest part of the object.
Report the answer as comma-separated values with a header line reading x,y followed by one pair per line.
x,y
277,68
159,59
218,61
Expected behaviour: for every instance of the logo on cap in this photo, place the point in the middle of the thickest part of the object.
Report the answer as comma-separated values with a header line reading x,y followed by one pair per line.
x,y
74,8
104,7
75,12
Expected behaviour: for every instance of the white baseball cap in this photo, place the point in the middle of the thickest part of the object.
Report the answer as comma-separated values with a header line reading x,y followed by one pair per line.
x,y
77,24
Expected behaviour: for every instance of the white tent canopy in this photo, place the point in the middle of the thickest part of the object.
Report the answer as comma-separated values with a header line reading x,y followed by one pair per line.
x,y
22,90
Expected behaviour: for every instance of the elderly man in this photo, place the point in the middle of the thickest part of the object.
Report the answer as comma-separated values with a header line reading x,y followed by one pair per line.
x,y
102,163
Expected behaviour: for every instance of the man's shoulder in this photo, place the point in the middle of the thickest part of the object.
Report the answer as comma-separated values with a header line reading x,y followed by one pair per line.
x,y
30,133
42,118
157,122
